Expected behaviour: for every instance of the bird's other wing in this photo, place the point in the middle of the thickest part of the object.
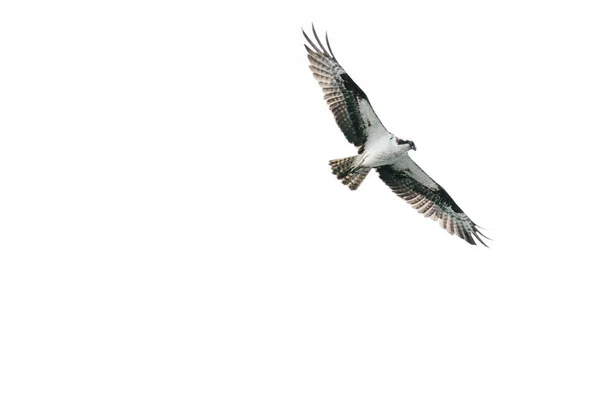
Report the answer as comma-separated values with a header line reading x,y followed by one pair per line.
x,y
411,183
348,103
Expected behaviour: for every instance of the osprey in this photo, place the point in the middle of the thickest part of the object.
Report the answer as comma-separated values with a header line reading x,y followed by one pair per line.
x,y
380,149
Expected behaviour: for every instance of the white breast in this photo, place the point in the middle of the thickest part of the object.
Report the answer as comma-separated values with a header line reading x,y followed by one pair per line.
x,y
383,151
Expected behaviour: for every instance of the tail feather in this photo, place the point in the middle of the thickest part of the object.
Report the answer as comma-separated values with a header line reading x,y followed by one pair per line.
x,y
354,179
342,166
345,171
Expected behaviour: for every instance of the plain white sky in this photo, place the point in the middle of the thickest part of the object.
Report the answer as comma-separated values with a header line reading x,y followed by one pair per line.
x,y
170,229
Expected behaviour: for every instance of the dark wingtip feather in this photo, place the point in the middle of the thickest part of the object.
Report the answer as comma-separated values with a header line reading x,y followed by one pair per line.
x,y
328,46
320,49
319,41
467,237
477,232
316,49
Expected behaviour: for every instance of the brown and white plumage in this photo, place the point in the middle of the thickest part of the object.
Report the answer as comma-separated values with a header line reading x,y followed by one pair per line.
x,y
380,149
348,103
411,183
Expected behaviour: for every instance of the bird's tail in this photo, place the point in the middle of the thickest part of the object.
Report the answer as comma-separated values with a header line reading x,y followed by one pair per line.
x,y
345,171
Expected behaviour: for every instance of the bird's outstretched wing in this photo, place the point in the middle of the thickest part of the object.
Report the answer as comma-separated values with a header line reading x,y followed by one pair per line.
x,y
411,183
348,103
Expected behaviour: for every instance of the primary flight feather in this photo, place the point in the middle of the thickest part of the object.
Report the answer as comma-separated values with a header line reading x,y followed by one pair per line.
x,y
380,149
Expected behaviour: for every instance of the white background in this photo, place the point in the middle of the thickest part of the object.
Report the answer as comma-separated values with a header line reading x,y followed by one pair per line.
x,y
170,228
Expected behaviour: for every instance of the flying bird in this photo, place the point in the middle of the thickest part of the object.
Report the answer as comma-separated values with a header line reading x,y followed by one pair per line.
x,y
379,149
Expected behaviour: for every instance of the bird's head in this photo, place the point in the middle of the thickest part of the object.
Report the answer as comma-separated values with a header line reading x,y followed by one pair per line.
x,y
410,143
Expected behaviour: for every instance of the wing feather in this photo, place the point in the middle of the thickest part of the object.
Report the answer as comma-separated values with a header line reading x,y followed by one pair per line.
x,y
350,106
411,183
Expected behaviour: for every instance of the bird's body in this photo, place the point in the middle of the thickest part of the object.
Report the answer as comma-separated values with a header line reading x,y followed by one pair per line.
x,y
383,151
379,149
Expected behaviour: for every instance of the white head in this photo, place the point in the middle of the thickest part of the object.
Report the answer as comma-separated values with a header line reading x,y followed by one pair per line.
x,y
410,143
